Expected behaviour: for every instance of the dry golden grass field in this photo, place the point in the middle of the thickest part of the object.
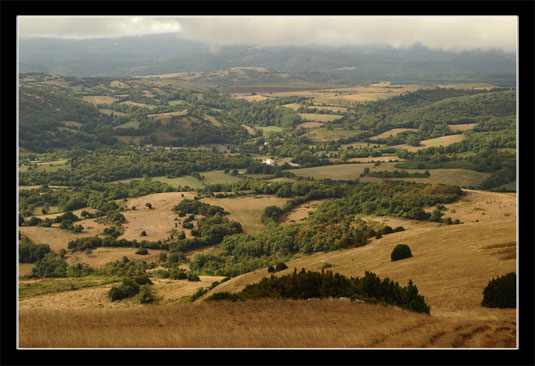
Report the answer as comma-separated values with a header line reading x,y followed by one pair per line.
x,y
251,98
250,130
463,127
257,324
98,99
142,105
439,141
300,213
343,96
392,132
383,159
450,266
118,84
461,177
247,210
156,222
324,135
166,117
309,125
318,117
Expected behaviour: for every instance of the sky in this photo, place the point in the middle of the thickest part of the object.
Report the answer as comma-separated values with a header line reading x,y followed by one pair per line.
x,y
445,32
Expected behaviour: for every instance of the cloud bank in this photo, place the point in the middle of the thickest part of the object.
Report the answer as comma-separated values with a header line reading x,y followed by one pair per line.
x,y
444,32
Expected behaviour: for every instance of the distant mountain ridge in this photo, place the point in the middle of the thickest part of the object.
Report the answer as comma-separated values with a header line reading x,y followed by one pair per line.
x,y
169,53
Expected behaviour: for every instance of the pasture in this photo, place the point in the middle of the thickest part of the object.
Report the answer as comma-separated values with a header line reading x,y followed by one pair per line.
x,y
247,210
435,142
166,117
324,135
47,166
98,99
392,132
141,105
319,117
462,127
460,177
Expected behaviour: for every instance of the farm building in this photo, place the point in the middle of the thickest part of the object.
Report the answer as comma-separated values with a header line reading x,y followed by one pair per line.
x,y
269,162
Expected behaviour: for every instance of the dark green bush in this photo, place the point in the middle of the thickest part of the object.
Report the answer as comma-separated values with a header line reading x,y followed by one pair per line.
x,y
225,296
193,277
401,251
142,251
280,266
142,280
500,292
146,295
30,252
271,269
128,288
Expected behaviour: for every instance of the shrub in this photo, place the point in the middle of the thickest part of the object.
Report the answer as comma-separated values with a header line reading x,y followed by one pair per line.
x,y
50,266
128,288
193,277
326,265
401,251
29,252
280,267
500,292
398,229
142,251
225,296
146,295
271,269
163,257
142,280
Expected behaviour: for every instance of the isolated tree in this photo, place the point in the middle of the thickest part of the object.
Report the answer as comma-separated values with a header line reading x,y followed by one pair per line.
x,y
401,251
500,292
149,205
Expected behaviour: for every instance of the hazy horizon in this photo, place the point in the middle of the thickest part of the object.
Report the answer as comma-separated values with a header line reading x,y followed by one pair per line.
x,y
448,33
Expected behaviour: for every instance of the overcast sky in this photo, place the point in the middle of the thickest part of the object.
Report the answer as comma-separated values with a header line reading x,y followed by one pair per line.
x,y
449,33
